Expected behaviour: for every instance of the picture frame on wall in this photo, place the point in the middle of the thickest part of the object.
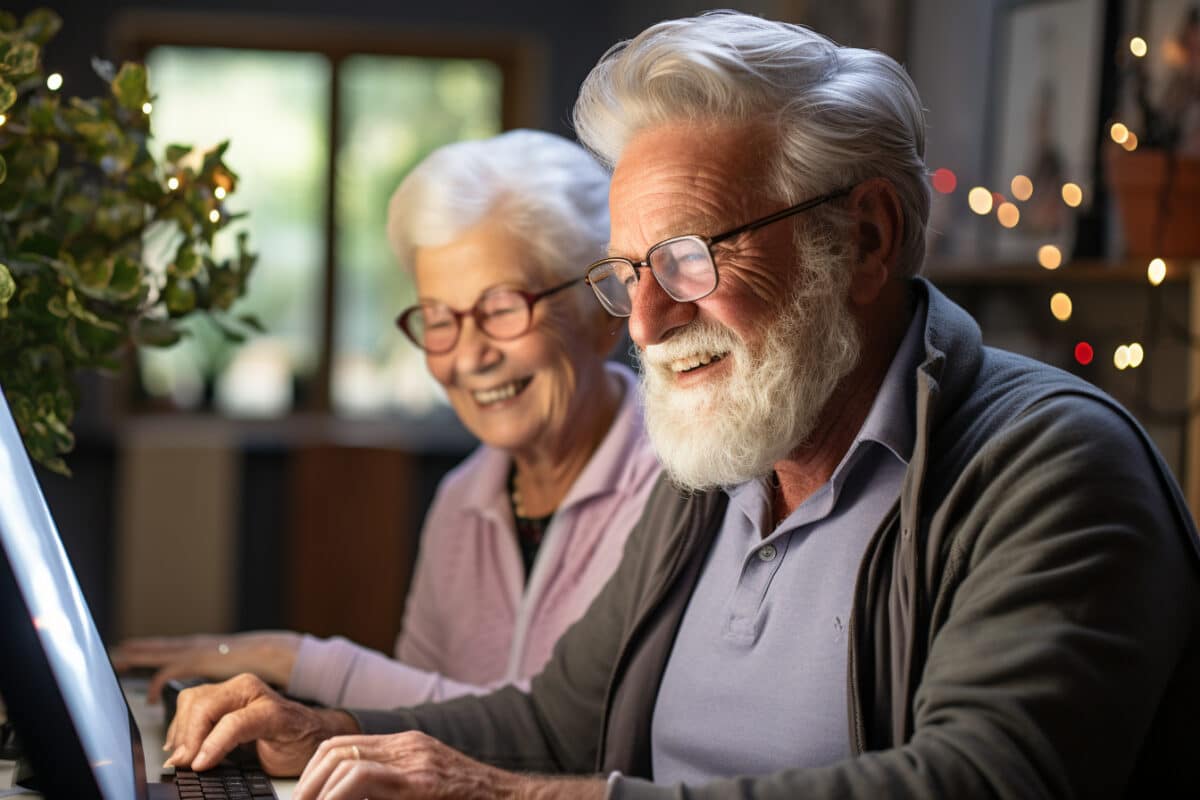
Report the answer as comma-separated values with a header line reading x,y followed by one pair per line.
x,y
1170,30
1043,130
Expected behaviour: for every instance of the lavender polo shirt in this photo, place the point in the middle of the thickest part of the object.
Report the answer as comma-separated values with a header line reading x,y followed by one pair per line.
x,y
756,681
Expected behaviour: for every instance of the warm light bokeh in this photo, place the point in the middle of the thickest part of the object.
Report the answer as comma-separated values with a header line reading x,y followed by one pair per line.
x,y
1061,306
1022,188
1156,271
1049,256
1008,214
1072,195
1137,46
980,200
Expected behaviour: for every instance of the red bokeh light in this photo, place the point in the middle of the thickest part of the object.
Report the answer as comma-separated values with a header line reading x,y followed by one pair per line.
x,y
944,180
1084,353
998,199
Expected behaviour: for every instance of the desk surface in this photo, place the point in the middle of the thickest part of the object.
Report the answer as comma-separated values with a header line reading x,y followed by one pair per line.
x,y
150,723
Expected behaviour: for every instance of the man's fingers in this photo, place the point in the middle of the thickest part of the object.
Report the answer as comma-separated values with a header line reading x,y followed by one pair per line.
x,y
198,710
255,721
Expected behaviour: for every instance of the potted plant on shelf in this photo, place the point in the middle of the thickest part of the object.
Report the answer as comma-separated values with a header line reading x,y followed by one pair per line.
x,y
101,245
1153,163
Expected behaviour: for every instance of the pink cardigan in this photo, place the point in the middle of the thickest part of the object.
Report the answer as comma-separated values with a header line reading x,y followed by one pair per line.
x,y
470,624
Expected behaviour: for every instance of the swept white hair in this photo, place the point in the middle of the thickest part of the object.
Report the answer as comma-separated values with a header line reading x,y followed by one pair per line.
x,y
547,191
842,114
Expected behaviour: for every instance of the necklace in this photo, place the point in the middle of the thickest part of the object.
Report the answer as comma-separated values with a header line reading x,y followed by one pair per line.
x,y
514,497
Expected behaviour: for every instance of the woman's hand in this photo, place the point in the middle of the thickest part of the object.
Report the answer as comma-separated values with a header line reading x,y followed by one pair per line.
x,y
268,654
414,765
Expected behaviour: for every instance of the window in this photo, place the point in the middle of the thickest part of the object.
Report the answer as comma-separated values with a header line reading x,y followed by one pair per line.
x,y
323,126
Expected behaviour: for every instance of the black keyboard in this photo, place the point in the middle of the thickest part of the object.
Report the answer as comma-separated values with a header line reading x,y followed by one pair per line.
x,y
227,781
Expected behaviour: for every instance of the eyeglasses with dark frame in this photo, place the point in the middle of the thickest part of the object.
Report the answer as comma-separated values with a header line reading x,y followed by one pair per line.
x,y
682,265
501,313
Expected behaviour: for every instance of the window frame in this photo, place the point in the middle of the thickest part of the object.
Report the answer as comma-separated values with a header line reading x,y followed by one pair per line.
x,y
519,59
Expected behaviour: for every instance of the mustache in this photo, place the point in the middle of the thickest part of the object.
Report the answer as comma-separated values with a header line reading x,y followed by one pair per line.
x,y
697,337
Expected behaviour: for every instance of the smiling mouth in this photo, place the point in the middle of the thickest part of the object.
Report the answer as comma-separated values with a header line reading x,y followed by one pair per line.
x,y
487,397
695,362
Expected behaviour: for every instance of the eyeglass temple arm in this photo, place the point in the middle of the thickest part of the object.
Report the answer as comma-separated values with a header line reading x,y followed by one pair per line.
x,y
778,215
533,298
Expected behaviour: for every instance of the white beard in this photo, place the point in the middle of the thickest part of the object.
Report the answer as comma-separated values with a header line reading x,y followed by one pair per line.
x,y
726,432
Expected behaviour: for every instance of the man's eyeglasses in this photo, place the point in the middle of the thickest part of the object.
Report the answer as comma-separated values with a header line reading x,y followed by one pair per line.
x,y
682,265
501,313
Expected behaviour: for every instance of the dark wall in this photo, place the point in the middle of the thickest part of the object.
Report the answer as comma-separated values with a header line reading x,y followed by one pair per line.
x,y
572,36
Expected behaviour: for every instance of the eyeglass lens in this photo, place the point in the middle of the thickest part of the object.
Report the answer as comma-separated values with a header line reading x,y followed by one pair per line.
x,y
501,315
683,267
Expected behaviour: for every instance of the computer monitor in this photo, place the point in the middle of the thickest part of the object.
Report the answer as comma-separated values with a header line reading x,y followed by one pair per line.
x,y
55,675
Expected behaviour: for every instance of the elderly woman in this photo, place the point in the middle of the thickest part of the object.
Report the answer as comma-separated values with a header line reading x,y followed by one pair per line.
x,y
523,534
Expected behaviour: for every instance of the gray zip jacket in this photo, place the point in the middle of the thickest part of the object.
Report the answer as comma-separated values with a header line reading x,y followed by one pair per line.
x,y
1024,625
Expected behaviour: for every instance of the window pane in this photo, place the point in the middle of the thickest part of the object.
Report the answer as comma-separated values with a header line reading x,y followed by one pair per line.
x,y
395,111
274,109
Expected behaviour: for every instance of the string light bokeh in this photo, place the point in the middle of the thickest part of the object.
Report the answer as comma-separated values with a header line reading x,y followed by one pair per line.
x,y
986,202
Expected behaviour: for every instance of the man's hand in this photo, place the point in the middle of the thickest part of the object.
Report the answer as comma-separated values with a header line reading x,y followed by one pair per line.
x,y
210,721
413,765
268,654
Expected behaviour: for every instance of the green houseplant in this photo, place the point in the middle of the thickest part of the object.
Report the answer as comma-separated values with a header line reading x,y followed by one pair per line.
x,y
101,245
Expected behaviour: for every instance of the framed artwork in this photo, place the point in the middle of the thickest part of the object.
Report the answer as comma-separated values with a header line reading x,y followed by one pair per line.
x,y
1043,134
1170,34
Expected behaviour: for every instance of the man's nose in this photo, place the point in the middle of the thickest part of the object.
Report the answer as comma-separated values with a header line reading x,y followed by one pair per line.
x,y
655,313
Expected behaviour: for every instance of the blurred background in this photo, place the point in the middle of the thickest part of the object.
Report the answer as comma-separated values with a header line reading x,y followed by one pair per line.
x,y
281,481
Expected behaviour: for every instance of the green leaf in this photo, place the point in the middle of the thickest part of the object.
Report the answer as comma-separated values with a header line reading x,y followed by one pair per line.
x,y
8,287
180,296
130,87
49,157
155,332
212,158
21,59
8,95
3,169
187,262
176,152
126,279
252,322
81,312
96,274
230,334
41,25
57,307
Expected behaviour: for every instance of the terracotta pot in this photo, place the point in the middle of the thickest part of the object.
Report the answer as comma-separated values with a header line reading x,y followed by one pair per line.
x,y
1152,228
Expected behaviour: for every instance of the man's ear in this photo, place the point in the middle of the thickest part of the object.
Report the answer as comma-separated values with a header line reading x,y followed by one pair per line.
x,y
878,230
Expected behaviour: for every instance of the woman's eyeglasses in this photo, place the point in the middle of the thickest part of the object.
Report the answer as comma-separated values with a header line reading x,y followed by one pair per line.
x,y
501,313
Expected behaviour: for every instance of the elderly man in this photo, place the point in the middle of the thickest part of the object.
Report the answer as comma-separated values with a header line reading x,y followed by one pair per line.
x,y
904,564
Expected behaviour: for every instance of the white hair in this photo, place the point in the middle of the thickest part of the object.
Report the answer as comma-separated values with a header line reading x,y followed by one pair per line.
x,y
546,190
842,114
737,429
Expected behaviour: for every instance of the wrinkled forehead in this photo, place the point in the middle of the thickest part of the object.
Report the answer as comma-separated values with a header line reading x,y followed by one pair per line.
x,y
687,178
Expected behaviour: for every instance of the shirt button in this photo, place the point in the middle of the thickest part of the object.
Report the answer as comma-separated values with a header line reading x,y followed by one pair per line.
x,y
767,552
